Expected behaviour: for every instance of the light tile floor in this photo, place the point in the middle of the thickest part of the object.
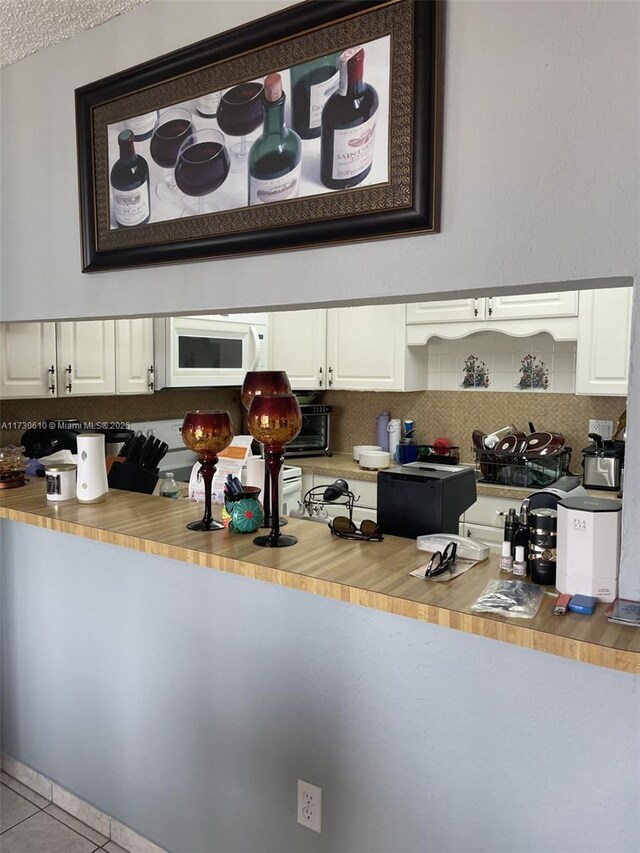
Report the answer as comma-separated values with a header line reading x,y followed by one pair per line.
x,y
31,824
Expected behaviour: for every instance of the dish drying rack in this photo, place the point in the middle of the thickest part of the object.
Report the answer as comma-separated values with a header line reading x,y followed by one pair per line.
x,y
514,469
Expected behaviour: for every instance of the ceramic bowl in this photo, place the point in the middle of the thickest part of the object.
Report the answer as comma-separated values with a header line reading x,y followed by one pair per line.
x,y
374,460
360,447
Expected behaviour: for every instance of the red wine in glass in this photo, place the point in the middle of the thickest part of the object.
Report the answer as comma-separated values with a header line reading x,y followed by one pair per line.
x,y
202,167
172,129
240,113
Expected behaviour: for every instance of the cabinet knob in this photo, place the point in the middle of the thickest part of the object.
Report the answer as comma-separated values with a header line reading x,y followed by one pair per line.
x,y
475,307
490,305
150,383
330,371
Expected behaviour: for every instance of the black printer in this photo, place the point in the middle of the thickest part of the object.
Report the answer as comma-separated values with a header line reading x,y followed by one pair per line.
x,y
420,498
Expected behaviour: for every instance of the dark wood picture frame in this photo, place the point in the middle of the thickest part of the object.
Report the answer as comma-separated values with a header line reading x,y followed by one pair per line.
x,y
407,203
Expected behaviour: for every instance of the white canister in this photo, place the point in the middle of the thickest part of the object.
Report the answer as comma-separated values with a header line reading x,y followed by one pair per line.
x,y
91,485
60,481
395,432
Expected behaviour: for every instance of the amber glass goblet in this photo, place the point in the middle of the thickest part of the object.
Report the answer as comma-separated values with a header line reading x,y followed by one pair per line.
x,y
257,382
207,433
274,420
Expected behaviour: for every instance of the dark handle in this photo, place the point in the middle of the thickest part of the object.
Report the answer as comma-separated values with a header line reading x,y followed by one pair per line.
x,y
69,384
150,383
52,371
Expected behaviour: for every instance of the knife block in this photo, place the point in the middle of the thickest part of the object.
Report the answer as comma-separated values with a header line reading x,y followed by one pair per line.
x,y
132,478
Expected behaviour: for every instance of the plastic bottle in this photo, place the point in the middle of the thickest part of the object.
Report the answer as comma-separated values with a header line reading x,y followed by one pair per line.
x,y
510,527
394,437
382,430
169,488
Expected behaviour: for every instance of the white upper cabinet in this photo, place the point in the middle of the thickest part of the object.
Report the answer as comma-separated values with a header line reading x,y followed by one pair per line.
x,y
532,305
365,348
134,356
604,336
528,306
86,358
447,311
298,345
28,360
356,349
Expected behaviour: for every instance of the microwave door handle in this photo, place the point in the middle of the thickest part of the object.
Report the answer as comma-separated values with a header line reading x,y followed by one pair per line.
x,y
255,363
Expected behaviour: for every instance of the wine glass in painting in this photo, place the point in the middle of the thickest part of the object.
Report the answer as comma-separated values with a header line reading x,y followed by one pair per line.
x,y
172,129
274,420
207,432
258,382
239,114
202,167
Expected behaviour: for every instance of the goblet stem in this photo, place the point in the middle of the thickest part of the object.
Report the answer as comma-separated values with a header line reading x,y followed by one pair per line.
x,y
273,459
207,470
273,463
266,503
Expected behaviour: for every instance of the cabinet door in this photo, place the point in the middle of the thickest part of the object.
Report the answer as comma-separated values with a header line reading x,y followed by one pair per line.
x,y
27,360
134,356
604,336
365,348
447,311
86,358
532,305
297,344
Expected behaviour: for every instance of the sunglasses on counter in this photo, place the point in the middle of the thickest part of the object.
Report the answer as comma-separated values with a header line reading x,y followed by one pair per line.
x,y
346,529
442,561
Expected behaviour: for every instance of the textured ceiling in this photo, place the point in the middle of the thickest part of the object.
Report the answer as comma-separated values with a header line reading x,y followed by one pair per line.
x,y
29,25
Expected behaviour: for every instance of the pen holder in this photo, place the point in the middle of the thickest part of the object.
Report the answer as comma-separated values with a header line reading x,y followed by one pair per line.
x,y
242,512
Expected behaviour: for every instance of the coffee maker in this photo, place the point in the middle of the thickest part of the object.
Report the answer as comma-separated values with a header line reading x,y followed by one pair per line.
x,y
603,463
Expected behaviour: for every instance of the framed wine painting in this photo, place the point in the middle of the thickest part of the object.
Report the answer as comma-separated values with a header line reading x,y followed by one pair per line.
x,y
313,126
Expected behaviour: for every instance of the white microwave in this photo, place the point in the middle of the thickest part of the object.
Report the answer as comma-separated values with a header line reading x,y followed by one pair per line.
x,y
208,351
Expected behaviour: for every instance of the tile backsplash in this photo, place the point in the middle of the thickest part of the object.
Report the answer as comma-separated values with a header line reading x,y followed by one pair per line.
x,y
455,414
449,414
490,361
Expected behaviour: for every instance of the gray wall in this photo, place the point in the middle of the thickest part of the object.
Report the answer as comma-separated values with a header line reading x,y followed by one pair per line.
x,y
539,175
187,702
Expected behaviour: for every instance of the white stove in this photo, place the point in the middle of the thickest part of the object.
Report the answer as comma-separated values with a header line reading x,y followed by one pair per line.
x,y
181,460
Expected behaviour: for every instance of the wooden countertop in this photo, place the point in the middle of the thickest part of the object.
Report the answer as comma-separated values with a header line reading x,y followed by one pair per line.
x,y
369,574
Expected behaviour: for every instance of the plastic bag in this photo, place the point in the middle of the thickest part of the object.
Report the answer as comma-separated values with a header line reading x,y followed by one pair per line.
x,y
515,599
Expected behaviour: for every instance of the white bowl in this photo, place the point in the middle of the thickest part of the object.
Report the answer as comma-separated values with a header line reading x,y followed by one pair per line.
x,y
374,460
359,447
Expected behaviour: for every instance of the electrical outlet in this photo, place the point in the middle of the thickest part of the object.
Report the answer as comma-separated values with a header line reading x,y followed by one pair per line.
x,y
310,805
603,428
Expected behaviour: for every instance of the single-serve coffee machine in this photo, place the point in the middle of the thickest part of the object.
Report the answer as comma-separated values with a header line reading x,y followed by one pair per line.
x,y
588,546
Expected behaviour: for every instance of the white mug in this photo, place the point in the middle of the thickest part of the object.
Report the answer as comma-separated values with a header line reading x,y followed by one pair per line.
x,y
91,483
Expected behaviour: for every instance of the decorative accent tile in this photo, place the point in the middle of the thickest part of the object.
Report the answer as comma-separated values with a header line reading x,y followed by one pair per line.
x,y
475,373
25,792
534,373
88,814
131,841
27,776
77,825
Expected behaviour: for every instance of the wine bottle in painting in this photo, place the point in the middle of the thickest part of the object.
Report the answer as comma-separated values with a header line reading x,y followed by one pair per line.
x,y
142,126
275,158
130,184
349,126
207,105
312,84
